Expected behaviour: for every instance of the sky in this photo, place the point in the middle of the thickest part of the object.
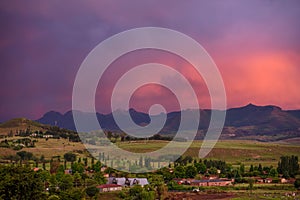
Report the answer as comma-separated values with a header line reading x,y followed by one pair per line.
x,y
255,45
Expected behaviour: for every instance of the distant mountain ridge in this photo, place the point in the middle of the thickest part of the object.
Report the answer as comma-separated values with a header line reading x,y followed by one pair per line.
x,y
246,121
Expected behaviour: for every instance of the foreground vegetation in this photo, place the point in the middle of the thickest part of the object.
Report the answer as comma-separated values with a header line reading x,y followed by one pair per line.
x,y
20,181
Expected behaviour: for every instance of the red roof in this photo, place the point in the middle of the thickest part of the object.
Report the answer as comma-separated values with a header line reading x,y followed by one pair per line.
x,y
108,186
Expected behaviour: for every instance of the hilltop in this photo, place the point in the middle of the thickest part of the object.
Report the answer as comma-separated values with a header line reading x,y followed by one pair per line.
x,y
25,127
21,124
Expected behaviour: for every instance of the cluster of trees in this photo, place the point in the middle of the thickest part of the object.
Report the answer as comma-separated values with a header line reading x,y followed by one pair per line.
x,y
288,166
187,167
21,182
55,131
113,137
18,144
56,184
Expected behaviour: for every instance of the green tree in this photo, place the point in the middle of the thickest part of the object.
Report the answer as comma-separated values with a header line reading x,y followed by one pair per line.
x,y
91,191
138,193
53,184
77,167
242,168
190,171
157,185
45,176
201,167
288,165
166,174
251,184
273,173
213,170
260,169
19,182
70,157
251,168
179,172
90,182
97,167
85,162
99,178
66,182
77,179
236,175
24,155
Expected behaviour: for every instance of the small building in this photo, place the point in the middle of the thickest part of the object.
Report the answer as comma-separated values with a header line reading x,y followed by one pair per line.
x,y
263,180
36,169
128,181
260,180
109,187
103,168
212,182
199,183
219,182
183,181
283,180
47,136
68,171
290,180
268,180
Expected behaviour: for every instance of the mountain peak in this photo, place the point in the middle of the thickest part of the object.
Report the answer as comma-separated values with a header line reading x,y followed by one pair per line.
x,y
52,113
251,105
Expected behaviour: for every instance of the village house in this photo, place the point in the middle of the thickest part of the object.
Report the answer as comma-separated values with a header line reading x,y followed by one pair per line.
x,y
47,136
128,182
290,180
205,182
212,182
109,187
268,180
184,181
263,180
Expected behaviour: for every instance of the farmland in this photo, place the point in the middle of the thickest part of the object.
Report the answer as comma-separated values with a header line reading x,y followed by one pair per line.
x,y
232,151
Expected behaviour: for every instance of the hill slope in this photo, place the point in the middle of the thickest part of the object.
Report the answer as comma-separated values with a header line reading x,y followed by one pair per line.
x,y
247,121
21,124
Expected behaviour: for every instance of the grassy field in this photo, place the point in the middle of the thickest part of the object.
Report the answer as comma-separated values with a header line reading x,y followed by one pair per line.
x,y
232,151
48,148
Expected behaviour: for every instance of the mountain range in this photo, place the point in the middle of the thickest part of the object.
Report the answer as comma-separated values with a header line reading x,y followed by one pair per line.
x,y
250,121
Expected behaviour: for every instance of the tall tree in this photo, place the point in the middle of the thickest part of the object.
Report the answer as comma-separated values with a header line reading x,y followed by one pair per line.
x,y
70,157
288,166
190,171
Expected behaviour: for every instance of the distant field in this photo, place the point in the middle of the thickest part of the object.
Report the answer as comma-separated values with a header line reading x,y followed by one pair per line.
x,y
232,151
